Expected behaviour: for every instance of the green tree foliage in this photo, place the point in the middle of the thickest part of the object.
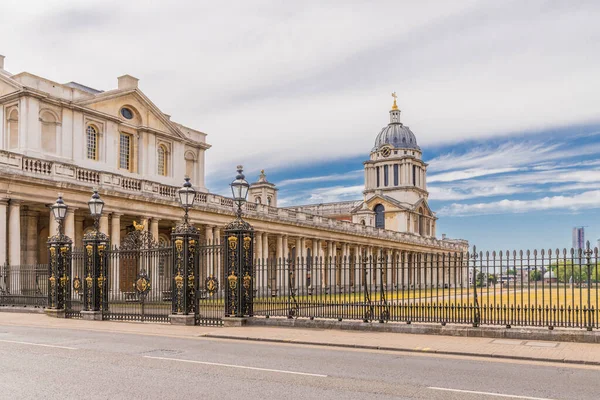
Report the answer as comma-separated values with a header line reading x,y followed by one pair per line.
x,y
535,275
492,279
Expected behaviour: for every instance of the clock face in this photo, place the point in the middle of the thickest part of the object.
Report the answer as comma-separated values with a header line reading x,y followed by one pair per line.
x,y
386,151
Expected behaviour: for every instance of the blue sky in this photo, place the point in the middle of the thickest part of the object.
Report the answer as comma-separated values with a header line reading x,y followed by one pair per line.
x,y
502,96
517,192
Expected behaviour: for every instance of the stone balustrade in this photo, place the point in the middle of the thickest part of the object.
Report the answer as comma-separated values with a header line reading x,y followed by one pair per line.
x,y
16,163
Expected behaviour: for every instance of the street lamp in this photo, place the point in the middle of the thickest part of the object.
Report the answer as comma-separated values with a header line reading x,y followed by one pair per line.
x,y
96,255
239,188
59,210
59,265
239,234
95,206
187,195
186,262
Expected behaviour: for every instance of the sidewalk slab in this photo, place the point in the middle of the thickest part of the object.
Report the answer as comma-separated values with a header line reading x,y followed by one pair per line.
x,y
533,349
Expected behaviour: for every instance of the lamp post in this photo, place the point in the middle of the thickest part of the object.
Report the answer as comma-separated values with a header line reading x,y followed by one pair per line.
x,y
239,234
95,283
59,267
185,238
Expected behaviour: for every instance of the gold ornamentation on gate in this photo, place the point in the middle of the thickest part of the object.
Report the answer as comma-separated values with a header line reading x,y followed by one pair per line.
x,y
232,242
89,249
179,281
53,253
191,279
247,281
142,285
63,280
77,285
64,250
211,285
232,279
179,245
247,241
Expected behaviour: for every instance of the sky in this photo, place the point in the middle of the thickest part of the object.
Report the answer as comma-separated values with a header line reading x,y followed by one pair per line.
x,y
503,97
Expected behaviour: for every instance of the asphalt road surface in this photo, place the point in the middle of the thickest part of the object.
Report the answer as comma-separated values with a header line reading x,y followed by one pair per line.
x,y
72,364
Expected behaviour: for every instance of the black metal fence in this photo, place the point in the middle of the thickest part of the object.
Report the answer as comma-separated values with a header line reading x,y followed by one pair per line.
x,y
24,285
545,288
210,297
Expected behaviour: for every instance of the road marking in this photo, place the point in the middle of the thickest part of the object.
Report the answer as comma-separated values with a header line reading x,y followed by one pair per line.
x,y
39,344
489,394
237,366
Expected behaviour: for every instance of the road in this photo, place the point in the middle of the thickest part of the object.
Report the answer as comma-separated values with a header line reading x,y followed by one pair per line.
x,y
67,364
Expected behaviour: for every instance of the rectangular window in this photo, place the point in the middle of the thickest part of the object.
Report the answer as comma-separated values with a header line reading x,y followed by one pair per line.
x,y
395,174
386,175
414,175
377,169
125,151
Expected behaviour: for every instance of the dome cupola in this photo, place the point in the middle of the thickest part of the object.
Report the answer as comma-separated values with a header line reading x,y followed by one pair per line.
x,y
396,134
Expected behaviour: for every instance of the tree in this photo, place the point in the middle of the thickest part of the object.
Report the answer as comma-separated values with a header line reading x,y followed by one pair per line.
x,y
511,271
480,279
535,275
492,279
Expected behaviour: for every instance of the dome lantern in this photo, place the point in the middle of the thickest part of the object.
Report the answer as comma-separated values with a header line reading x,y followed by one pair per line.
x,y
395,133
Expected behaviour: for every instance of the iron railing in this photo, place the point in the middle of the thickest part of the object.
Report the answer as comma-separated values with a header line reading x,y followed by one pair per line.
x,y
24,285
532,288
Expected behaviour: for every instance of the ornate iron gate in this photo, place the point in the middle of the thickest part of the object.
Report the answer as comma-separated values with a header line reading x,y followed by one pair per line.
x,y
139,276
210,299
74,300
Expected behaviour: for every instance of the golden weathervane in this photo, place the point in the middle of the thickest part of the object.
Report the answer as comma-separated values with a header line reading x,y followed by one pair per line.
x,y
395,106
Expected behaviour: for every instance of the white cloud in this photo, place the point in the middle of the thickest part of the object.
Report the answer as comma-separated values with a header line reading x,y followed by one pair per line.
x,y
467,174
324,178
277,85
586,200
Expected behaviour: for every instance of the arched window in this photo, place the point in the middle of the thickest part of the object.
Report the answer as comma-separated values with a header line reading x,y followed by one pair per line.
x,y
91,133
420,222
379,216
49,122
362,221
13,129
162,160
396,174
269,200
258,200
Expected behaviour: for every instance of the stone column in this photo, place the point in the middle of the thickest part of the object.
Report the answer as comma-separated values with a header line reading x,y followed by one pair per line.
x,y
208,232
218,260
52,225
30,236
258,261
346,266
14,245
115,240
301,268
154,272
78,238
316,266
69,225
4,241
154,228
104,224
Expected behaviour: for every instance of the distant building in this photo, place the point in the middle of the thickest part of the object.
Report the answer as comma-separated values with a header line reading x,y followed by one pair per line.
x,y
578,238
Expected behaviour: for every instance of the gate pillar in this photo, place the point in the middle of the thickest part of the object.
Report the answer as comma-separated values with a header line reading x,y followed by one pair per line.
x,y
239,293
185,238
59,265
95,282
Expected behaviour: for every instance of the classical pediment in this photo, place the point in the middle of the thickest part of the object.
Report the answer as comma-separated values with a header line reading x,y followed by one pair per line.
x,y
8,85
389,203
422,204
145,113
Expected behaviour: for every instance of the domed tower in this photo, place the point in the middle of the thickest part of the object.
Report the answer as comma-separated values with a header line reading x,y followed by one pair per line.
x,y
395,195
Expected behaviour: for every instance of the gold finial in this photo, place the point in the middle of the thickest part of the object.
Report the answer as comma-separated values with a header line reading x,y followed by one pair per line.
x,y
138,227
395,106
262,171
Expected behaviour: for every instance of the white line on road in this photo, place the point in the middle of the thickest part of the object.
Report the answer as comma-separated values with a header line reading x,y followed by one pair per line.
x,y
489,394
39,344
237,366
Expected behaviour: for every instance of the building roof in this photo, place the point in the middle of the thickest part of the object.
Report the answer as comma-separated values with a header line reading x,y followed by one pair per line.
x,y
396,134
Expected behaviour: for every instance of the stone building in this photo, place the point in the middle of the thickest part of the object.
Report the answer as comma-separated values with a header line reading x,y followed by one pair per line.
x,y
70,138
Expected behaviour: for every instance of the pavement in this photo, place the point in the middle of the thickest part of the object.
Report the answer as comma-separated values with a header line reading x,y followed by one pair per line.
x,y
41,357
531,350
